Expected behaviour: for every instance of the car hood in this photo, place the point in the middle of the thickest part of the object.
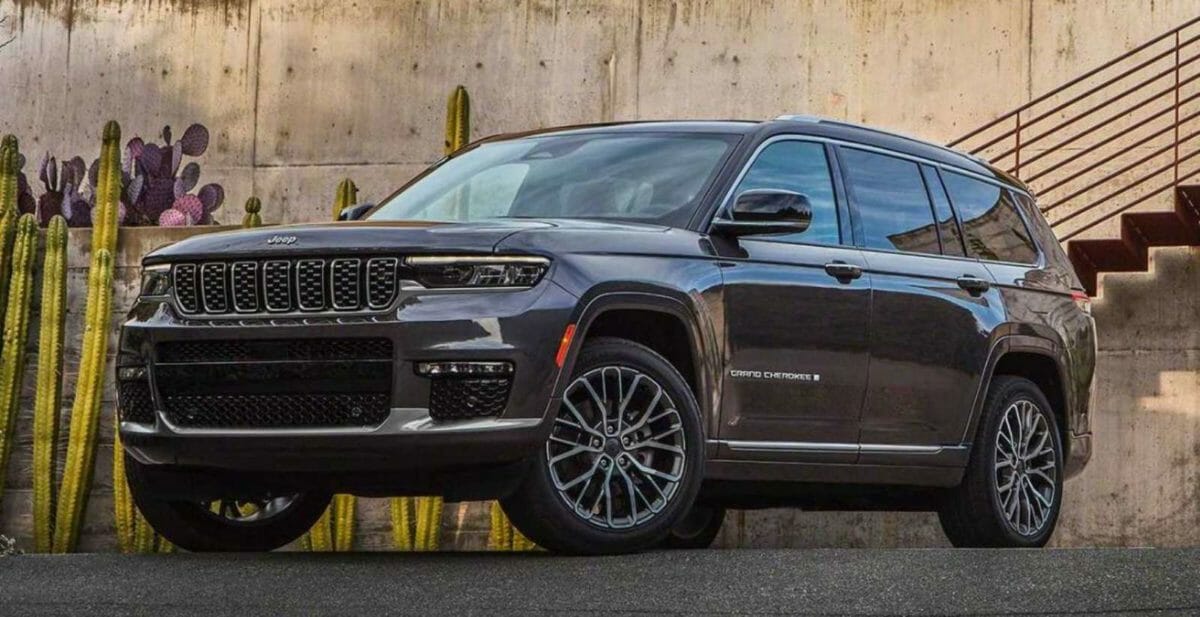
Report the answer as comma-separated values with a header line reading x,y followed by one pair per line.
x,y
371,237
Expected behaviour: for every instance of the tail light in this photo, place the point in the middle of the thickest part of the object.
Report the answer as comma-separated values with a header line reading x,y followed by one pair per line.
x,y
1082,300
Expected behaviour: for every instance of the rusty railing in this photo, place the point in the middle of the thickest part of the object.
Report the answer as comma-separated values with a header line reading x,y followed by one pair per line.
x,y
1108,140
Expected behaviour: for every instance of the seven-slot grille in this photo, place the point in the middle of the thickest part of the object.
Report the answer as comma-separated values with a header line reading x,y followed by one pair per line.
x,y
286,285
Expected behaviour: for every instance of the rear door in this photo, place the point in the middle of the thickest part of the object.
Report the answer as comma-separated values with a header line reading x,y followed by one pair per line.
x,y
932,311
796,311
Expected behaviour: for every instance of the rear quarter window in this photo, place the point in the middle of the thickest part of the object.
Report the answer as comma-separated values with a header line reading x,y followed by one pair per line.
x,y
992,227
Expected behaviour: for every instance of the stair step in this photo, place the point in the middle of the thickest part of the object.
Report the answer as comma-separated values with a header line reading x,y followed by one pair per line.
x,y
1139,231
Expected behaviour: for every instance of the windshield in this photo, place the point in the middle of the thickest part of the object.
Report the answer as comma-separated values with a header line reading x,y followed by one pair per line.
x,y
645,177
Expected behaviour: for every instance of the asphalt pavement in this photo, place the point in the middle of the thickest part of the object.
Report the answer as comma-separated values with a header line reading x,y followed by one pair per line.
x,y
714,582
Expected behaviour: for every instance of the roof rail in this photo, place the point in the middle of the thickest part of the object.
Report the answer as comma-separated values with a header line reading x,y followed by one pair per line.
x,y
822,119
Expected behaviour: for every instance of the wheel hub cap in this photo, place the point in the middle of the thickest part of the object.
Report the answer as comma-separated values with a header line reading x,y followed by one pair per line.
x,y
617,451
1026,468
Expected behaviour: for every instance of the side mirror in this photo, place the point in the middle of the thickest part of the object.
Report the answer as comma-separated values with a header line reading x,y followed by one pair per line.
x,y
353,213
766,211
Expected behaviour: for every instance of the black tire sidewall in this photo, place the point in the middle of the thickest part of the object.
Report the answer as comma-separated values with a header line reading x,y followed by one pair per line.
x,y
1014,390
538,510
188,526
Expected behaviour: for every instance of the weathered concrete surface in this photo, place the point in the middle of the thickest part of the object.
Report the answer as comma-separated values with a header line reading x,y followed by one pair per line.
x,y
301,93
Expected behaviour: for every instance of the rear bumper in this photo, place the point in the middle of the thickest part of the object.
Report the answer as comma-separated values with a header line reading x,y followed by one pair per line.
x,y
1079,453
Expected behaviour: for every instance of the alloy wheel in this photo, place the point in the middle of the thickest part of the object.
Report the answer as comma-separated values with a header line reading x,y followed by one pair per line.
x,y
617,451
1026,468
246,511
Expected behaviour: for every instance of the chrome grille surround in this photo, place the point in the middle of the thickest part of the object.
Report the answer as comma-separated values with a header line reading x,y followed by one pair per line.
x,y
282,286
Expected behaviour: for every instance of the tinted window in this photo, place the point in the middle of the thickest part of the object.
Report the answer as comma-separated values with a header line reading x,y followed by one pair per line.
x,y
991,225
892,202
800,167
947,227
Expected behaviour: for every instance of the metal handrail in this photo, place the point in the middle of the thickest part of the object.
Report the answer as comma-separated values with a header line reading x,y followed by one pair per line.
x,y
1077,80
1078,116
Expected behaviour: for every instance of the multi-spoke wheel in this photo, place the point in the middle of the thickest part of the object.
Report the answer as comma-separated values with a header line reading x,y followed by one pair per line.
x,y
1026,467
623,459
1012,489
258,524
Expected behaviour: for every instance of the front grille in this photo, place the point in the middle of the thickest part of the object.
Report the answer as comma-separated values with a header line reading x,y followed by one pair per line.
x,y
467,397
290,383
134,403
313,350
286,285
306,410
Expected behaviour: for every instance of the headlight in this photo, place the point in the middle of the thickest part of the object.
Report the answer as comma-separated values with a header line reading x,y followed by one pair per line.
x,y
438,272
156,281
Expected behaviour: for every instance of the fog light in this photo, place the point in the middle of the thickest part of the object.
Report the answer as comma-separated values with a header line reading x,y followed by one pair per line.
x,y
131,373
441,369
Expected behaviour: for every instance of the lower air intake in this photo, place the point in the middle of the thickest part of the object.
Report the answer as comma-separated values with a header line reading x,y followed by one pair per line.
x,y
454,398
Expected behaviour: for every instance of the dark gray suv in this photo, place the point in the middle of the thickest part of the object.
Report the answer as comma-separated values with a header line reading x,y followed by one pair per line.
x,y
619,331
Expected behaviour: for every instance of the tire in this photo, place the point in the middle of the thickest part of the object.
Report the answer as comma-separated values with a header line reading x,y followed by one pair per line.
x,y
979,512
195,527
695,530
664,480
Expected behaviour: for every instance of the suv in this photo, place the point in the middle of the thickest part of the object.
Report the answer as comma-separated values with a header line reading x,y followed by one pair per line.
x,y
618,331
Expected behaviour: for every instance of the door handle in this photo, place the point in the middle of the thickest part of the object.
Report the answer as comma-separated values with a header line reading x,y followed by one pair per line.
x,y
843,271
973,284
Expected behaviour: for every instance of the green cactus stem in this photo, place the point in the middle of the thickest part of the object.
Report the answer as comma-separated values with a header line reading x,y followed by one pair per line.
x,y
16,329
458,120
48,396
347,195
343,523
122,501
9,156
85,409
402,523
252,217
108,191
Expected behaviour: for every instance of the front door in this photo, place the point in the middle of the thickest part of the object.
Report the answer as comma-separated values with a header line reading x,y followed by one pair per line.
x,y
796,311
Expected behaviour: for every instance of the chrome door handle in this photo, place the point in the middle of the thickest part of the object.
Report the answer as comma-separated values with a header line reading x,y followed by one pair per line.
x,y
843,271
973,284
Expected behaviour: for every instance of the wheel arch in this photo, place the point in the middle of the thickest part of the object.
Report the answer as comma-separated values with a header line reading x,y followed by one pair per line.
x,y
639,316
1034,358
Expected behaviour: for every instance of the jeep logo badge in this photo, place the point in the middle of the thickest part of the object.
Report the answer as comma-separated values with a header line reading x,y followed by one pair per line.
x,y
285,240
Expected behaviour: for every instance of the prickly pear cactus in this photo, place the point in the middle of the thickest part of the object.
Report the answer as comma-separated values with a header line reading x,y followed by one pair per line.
x,y
16,330
252,217
48,397
158,187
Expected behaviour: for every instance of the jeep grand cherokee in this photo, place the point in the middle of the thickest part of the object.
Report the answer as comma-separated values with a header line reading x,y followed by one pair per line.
x,y
619,331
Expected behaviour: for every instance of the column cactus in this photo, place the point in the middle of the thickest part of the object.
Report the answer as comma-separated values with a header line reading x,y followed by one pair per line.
x,y
347,195
9,155
48,396
458,120
16,322
85,409
252,218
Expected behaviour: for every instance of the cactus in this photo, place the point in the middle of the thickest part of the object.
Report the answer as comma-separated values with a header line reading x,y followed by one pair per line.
x,y
402,523
85,409
252,218
8,212
429,523
343,523
48,397
347,195
157,191
503,536
458,120
16,321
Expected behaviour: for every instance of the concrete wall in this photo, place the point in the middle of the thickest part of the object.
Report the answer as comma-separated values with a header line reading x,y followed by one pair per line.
x,y
301,93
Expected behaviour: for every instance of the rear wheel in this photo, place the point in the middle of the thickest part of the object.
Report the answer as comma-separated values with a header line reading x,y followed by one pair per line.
x,y
1011,492
261,523
623,461
697,529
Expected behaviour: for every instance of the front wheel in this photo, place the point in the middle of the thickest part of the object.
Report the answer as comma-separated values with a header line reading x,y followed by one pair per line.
x,y
257,524
624,458
1011,492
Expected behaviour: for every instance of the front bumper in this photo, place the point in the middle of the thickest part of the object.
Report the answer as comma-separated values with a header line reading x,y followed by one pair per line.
x,y
519,327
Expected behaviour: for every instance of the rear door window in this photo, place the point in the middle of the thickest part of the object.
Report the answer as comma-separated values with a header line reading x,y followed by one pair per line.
x,y
892,202
992,227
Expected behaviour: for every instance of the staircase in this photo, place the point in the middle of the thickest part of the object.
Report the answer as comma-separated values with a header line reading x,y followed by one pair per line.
x,y
1110,155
